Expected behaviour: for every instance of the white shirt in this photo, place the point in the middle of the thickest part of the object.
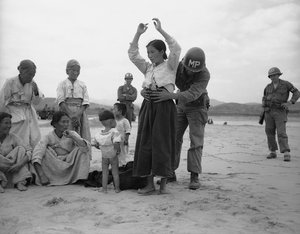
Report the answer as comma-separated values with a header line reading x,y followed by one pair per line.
x,y
67,89
165,73
106,141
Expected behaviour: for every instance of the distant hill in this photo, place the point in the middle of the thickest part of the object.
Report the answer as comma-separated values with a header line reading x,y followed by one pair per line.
x,y
214,102
245,109
216,108
50,103
235,109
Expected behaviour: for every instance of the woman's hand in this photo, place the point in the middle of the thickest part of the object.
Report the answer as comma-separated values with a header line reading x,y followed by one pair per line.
x,y
142,28
157,24
70,134
145,94
52,150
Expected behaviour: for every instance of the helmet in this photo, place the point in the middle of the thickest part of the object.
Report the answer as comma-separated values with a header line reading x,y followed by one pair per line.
x,y
274,71
128,76
194,59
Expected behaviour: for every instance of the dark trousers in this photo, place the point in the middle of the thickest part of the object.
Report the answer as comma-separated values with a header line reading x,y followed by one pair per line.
x,y
129,111
276,121
195,118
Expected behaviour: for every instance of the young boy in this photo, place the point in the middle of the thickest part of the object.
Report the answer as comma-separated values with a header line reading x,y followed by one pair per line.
x,y
123,126
108,141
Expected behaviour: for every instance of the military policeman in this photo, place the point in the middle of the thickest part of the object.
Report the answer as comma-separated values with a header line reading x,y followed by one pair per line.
x,y
192,78
275,103
127,94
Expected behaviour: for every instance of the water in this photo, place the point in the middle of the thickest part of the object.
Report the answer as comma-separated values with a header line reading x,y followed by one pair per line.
x,y
293,121
249,120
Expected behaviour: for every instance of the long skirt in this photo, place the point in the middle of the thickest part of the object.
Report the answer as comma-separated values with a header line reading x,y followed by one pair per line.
x,y
25,124
15,156
155,143
66,169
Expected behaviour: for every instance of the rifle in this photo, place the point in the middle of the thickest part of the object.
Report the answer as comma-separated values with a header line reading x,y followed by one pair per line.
x,y
261,117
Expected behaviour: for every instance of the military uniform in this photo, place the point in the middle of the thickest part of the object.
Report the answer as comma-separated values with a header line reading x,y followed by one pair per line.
x,y
276,114
192,109
127,95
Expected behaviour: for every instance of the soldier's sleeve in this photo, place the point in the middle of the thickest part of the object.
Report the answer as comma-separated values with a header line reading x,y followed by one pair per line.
x,y
120,96
295,92
195,91
132,97
264,98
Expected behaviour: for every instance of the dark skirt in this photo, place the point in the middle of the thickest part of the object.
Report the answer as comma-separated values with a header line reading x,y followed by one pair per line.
x,y
155,143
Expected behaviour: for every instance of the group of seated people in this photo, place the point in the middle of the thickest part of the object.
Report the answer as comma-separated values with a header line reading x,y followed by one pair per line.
x,y
61,157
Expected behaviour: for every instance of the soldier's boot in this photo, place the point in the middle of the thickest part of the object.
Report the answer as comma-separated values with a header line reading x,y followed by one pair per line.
x,y
272,155
286,157
194,181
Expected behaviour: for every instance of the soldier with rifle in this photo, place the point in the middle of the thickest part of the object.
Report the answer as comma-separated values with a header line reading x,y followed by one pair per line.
x,y
275,103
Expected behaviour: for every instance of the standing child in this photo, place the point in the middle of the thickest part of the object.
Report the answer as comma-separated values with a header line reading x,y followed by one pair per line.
x,y
73,98
108,140
123,126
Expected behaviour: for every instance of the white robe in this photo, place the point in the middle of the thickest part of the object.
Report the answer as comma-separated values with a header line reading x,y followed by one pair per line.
x,y
18,101
62,161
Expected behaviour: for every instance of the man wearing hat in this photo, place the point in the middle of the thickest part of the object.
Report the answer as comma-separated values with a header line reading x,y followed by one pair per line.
x,y
192,100
17,97
275,103
127,94
73,98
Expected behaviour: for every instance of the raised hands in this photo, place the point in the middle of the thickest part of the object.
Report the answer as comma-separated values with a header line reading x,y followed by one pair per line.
x,y
157,24
142,28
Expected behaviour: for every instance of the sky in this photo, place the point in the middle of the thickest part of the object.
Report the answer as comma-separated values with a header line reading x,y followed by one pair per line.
x,y
242,39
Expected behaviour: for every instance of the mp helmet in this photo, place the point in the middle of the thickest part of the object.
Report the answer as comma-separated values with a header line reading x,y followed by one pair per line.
x,y
274,71
194,59
128,76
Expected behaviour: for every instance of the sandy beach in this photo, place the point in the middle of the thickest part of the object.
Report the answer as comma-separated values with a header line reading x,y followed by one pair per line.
x,y
241,192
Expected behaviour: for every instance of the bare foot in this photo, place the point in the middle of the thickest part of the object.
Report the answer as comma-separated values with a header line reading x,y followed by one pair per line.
x,y
162,187
117,190
104,190
44,180
1,189
21,186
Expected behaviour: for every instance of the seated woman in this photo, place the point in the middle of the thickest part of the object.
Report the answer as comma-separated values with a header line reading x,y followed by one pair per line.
x,y
62,156
13,157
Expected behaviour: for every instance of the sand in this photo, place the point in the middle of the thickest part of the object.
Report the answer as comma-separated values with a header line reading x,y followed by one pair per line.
x,y
241,192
